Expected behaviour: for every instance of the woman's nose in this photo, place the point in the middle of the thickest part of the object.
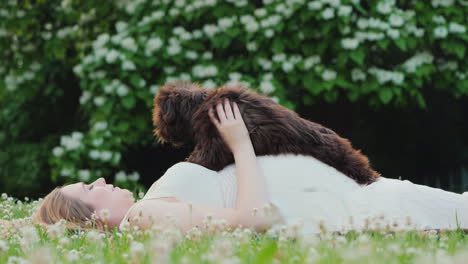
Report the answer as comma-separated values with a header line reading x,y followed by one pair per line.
x,y
101,181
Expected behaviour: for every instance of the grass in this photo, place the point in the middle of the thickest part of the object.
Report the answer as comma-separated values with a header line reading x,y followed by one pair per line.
x,y
23,242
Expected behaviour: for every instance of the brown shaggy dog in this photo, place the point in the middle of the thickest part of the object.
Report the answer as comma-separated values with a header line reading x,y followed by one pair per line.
x,y
180,115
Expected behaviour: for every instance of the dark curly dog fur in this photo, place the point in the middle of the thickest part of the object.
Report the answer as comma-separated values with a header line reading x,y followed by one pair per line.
x,y
180,115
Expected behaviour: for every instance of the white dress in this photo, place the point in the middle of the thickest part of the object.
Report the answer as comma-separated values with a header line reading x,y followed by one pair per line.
x,y
306,189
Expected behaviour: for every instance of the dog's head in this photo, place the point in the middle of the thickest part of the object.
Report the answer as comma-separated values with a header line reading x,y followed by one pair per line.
x,y
174,105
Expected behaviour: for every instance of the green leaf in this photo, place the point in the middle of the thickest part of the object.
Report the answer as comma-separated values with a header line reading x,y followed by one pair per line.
x,y
385,95
267,253
278,46
128,102
358,56
401,43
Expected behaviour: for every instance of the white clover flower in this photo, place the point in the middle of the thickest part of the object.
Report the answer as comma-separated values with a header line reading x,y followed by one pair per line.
x,y
210,30
396,20
106,155
440,32
94,154
128,66
99,100
137,248
358,75
384,7
3,246
287,66
58,151
329,75
122,90
120,177
129,44
104,214
267,87
456,28
84,175
345,10
174,49
328,13
209,84
112,56
393,33
315,5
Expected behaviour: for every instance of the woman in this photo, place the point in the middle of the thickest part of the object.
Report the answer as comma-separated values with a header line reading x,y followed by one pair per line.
x,y
190,192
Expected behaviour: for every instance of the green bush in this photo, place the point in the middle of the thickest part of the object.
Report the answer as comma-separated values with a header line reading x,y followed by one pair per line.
x,y
382,52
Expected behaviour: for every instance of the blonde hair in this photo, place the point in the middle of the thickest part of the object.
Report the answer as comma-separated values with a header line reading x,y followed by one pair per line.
x,y
57,206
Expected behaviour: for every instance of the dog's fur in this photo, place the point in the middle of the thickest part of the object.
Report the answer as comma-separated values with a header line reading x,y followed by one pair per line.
x,y
180,115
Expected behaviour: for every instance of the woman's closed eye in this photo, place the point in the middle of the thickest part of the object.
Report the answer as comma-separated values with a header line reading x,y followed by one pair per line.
x,y
91,187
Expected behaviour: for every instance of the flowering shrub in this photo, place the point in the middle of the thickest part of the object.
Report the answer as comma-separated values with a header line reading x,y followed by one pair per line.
x,y
385,52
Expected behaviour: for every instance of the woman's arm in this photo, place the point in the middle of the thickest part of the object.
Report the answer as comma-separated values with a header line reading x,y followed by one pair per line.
x,y
252,190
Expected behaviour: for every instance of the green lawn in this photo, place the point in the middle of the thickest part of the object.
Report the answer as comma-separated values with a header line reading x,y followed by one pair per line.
x,y
24,242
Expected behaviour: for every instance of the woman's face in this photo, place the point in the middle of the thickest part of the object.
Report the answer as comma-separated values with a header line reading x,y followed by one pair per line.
x,y
99,196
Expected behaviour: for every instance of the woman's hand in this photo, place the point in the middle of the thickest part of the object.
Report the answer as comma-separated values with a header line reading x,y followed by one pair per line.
x,y
230,125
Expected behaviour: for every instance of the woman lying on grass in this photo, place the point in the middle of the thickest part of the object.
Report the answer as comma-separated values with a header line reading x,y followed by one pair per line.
x,y
284,188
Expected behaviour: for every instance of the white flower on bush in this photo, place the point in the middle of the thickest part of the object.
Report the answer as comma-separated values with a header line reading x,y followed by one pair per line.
x,y
235,76
154,89
398,78
84,175
287,66
204,71
265,64
105,155
94,154
207,55
58,151
384,7
134,176
251,46
112,56
267,87
190,54
121,26
384,76
153,44
456,28
311,61
279,57
329,75
85,97
328,13
269,33
362,23
393,33
128,66
345,10
71,142
225,23
99,100
97,142
440,32
120,177
439,19
260,12
210,30
129,44
350,43
315,5
174,49
442,3
122,90
396,20
358,75
209,84
66,172
417,60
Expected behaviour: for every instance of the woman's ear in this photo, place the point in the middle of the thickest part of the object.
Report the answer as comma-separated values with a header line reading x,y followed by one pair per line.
x,y
173,108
